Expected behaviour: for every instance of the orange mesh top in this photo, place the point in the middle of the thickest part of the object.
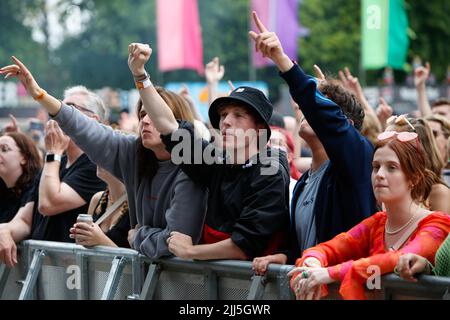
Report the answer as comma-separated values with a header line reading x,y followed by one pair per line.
x,y
350,255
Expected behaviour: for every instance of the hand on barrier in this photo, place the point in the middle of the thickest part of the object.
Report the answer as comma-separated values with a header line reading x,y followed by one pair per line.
x,y
261,264
8,249
307,282
132,234
411,264
180,245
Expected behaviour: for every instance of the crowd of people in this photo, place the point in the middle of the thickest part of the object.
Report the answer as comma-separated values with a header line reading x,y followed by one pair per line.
x,y
336,189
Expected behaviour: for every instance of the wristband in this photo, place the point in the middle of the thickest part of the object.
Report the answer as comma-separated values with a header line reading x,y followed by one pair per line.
x,y
41,95
144,84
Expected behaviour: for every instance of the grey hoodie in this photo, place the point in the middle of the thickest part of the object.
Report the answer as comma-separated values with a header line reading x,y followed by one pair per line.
x,y
179,205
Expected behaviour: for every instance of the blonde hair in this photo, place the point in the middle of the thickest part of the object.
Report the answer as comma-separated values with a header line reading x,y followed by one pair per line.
x,y
371,128
443,121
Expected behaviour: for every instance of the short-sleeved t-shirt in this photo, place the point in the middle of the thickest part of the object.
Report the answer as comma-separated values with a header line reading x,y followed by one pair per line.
x,y
81,176
10,203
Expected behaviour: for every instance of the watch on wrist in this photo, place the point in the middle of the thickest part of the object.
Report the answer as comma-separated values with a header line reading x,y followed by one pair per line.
x,y
51,157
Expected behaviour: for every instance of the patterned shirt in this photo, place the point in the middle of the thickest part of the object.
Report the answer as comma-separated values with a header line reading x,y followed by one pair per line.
x,y
351,255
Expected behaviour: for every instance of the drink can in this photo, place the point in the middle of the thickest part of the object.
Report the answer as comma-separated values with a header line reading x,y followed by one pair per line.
x,y
86,218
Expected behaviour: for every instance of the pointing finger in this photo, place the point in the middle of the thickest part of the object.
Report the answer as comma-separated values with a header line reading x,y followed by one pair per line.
x,y
13,119
19,63
258,23
319,72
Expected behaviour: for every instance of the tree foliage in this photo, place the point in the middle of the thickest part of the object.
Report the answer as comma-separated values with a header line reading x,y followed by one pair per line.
x,y
15,37
97,56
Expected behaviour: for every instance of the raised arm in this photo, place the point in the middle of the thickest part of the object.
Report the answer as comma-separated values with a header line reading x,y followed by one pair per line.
x,y
21,72
352,84
214,72
327,119
157,109
269,45
421,75
100,143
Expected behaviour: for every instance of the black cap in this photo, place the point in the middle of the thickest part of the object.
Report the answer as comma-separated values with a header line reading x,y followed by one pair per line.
x,y
246,96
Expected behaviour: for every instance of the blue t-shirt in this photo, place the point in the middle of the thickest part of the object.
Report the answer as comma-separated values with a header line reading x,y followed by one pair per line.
x,y
305,224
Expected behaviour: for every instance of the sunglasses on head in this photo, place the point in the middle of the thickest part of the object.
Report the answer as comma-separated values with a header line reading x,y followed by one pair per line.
x,y
82,109
401,136
400,120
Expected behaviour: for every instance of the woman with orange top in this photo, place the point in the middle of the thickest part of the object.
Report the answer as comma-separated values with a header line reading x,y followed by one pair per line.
x,y
400,181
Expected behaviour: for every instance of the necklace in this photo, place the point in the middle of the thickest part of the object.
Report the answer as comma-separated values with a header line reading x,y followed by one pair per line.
x,y
399,229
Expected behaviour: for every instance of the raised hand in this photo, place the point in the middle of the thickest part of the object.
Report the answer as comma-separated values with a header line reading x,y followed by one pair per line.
x,y
421,75
214,72
384,112
21,72
231,85
350,82
55,140
12,126
319,74
269,45
138,55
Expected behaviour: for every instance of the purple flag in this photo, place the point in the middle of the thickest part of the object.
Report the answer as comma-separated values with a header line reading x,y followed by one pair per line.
x,y
280,16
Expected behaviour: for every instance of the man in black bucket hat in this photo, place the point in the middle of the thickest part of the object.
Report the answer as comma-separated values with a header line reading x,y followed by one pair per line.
x,y
248,204
252,98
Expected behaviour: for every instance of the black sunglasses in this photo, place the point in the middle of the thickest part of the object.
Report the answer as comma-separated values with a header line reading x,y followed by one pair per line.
x,y
83,109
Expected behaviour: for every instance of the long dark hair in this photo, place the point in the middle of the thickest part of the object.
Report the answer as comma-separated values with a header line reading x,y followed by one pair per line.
x,y
33,162
147,161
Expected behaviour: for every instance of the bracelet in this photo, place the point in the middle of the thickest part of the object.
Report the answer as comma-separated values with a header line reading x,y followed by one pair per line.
x,y
41,95
141,77
144,84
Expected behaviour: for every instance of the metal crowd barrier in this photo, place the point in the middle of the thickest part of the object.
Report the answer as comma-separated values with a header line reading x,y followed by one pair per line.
x,y
63,271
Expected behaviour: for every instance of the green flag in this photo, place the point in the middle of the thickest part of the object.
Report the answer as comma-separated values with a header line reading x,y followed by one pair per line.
x,y
384,34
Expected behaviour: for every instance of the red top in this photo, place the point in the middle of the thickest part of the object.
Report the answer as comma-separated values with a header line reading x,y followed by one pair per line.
x,y
350,256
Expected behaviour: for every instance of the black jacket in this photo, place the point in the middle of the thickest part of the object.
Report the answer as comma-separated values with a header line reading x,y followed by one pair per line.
x,y
250,206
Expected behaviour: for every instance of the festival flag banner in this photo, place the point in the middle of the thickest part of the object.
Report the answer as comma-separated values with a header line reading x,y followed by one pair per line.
x,y
385,39
179,37
280,16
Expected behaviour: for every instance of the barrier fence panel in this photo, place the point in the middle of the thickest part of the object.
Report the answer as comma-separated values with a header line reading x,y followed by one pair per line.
x,y
63,271
176,279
